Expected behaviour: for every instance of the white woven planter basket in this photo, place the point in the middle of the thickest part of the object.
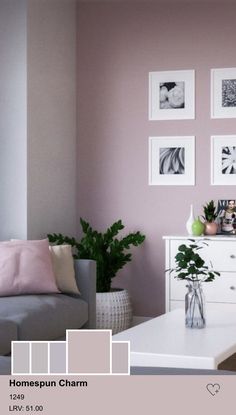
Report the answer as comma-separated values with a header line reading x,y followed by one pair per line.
x,y
114,310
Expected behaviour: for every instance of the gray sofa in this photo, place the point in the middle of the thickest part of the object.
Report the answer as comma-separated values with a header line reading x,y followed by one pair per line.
x,y
46,317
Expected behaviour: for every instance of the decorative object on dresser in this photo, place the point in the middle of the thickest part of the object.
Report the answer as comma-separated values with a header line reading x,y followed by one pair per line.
x,y
221,252
210,216
113,306
191,267
190,221
197,227
226,216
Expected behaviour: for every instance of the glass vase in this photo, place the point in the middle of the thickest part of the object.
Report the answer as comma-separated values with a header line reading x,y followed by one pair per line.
x,y
195,306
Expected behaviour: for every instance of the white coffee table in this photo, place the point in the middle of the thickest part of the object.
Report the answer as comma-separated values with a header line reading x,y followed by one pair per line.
x,y
165,342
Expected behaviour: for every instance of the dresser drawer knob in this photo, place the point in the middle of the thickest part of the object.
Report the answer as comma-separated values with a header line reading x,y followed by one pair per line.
x,y
232,256
232,287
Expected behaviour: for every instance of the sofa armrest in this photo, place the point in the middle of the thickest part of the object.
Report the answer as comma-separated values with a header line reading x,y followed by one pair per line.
x,y
85,274
8,332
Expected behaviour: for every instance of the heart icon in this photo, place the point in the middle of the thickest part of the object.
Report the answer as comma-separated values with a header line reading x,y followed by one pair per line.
x,y
213,389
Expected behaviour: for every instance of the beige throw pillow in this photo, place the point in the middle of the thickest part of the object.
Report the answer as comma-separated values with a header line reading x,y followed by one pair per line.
x,y
63,267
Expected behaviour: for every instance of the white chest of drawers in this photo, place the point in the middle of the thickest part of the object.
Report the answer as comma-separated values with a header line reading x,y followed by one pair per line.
x,y
221,252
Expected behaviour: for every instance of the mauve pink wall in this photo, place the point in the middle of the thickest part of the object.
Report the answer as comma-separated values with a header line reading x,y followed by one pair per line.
x,y
118,44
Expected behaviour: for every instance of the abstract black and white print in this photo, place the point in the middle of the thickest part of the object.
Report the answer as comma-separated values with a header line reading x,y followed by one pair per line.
x,y
172,95
172,160
229,93
229,160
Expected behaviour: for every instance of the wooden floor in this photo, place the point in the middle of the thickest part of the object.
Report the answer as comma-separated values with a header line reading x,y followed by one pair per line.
x,y
228,364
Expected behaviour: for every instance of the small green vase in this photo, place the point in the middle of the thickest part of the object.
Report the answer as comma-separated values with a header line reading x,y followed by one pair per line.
x,y
198,227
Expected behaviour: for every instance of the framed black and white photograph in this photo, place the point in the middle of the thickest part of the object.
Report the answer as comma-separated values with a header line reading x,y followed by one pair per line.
x,y
223,160
172,160
172,95
226,216
223,93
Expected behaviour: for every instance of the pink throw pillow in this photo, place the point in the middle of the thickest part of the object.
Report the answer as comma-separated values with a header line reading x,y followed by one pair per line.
x,y
26,268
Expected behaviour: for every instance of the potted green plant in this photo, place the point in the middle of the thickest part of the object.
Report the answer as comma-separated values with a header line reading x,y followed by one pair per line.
x,y
111,254
191,267
210,216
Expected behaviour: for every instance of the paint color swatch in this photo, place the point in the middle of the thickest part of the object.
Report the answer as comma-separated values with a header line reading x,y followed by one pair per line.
x,y
21,360
39,357
57,351
89,353
120,357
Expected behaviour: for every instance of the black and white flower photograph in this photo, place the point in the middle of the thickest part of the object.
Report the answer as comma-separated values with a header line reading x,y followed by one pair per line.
x,y
226,216
229,92
223,160
229,160
171,160
172,95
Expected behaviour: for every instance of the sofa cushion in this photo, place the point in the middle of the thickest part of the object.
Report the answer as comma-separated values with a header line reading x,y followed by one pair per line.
x,y
63,268
8,332
62,264
26,268
44,317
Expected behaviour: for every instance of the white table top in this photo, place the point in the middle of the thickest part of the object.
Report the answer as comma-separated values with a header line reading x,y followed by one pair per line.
x,y
165,341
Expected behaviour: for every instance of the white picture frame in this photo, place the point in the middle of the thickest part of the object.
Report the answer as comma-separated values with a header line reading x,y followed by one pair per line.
x,y
223,168
172,161
172,95
223,93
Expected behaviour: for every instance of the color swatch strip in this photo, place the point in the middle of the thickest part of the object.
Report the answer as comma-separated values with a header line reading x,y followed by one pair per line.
x,y
84,352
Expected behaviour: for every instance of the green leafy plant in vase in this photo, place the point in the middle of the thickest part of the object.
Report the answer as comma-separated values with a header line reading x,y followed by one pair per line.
x,y
191,267
210,216
111,255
